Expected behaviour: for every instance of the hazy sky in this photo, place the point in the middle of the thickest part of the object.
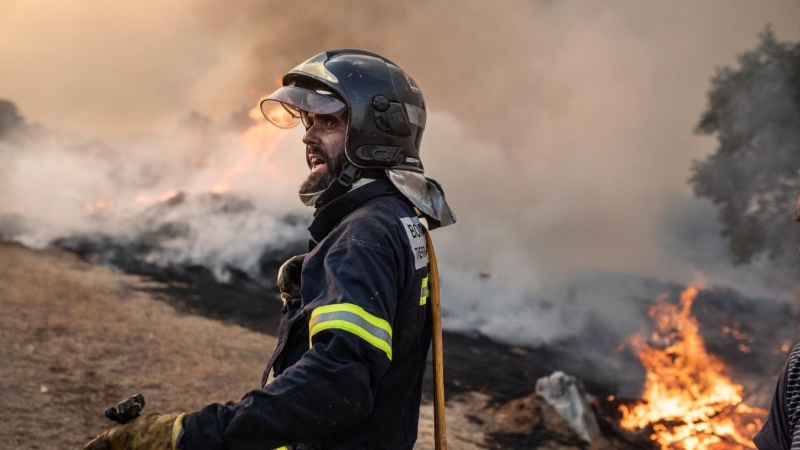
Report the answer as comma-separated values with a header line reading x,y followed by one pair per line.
x,y
561,131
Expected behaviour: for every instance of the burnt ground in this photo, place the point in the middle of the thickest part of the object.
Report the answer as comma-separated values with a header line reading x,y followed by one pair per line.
x,y
474,363
746,334
78,337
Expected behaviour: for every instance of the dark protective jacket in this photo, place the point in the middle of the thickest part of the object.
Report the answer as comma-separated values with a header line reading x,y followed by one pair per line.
x,y
352,350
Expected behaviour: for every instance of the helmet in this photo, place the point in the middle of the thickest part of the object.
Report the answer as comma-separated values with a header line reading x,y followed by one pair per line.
x,y
386,110
386,118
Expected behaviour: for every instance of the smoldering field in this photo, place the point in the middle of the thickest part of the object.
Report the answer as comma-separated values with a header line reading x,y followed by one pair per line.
x,y
561,132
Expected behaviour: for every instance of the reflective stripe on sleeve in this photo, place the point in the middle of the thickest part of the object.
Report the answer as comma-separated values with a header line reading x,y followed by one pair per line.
x,y
353,319
423,295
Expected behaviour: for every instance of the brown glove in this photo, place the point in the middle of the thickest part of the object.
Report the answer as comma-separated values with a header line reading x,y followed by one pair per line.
x,y
151,431
289,277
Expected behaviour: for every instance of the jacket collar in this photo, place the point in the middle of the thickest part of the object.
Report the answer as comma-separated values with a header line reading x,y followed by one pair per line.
x,y
327,217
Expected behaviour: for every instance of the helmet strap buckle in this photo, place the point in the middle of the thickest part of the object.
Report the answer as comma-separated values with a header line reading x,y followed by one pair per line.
x,y
350,174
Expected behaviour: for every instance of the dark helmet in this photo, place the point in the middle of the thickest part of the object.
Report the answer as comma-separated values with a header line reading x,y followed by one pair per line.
x,y
385,106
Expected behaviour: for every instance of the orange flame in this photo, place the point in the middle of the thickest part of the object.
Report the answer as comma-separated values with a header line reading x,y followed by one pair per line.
x,y
259,142
688,400
95,207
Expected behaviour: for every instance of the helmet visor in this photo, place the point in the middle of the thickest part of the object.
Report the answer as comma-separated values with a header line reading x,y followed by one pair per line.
x,y
283,107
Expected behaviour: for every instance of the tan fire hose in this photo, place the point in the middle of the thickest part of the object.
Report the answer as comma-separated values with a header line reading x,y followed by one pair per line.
x,y
439,423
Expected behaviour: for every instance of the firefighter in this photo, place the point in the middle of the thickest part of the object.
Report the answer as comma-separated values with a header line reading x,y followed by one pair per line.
x,y
356,324
780,431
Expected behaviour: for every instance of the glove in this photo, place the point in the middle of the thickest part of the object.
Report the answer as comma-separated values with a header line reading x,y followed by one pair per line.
x,y
151,431
289,277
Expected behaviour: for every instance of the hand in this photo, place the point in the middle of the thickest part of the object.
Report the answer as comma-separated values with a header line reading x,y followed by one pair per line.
x,y
289,277
151,431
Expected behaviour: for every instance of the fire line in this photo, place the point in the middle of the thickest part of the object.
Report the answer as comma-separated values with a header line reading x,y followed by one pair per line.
x,y
688,402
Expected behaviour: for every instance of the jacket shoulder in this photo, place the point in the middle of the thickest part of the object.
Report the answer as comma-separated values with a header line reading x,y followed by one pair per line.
x,y
375,221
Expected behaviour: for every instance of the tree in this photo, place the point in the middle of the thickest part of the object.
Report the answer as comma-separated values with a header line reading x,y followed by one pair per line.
x,y
9,117
754,175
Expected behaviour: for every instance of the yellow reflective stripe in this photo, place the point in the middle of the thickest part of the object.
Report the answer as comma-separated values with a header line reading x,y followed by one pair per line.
x,y
353,319
354,309
357,330
423,296
282,448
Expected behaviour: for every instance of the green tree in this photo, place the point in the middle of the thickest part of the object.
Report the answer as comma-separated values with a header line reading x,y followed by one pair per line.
x,y
754,175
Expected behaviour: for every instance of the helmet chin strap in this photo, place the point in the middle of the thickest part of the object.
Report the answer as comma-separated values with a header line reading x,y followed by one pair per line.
x,y
350,174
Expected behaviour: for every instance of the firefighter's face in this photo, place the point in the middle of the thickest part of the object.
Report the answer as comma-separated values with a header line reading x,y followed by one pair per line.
x,y
325,155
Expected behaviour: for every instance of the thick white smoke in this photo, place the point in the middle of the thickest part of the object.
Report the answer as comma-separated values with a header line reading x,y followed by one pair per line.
x,y
561,132
202,195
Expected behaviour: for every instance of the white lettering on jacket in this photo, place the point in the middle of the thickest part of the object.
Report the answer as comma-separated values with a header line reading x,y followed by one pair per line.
x,y
416,238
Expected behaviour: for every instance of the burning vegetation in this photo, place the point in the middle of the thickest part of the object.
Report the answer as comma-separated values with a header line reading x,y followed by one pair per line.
x,y
689,402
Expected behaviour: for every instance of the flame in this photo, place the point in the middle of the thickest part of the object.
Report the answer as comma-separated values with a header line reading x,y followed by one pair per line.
x,y
743,338
688,400
259,142
95,207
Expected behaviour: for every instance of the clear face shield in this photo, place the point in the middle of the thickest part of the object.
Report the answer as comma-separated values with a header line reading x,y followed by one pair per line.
x,y
286,107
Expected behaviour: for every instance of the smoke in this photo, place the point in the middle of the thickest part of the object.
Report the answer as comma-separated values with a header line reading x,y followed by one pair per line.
x,y
204,194
561,131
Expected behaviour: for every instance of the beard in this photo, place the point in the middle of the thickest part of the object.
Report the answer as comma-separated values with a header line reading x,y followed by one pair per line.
x,y
319,181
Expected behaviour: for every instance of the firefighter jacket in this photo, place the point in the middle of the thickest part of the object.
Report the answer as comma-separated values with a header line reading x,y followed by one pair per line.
x,y
352,350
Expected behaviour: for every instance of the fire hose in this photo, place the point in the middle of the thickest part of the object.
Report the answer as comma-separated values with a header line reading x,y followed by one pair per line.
x,y
439,423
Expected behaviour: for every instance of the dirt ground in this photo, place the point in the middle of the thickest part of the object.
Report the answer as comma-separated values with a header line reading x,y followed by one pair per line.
x,y
76,338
